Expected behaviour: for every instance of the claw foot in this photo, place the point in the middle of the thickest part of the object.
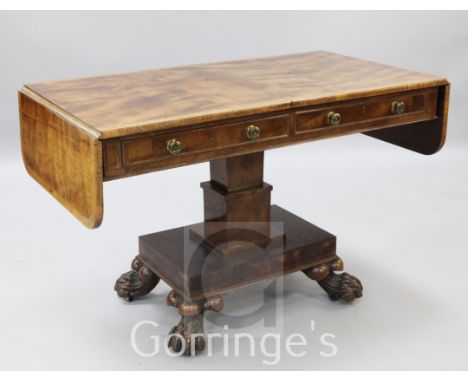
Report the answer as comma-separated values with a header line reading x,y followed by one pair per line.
x,y
187,337
137,282
339,286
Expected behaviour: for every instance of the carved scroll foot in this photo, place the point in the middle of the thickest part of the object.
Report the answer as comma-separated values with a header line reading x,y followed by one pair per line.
x,y
137,282
342,286
188,336
339,286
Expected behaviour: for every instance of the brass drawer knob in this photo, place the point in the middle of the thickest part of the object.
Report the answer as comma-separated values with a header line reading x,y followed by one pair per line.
x,y
252,132
398,107
174,146
334,118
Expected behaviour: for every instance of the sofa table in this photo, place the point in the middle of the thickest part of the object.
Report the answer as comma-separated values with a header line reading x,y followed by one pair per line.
x,y
78,133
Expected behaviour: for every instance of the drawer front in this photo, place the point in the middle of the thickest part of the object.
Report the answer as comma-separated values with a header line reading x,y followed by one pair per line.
x,y
399,108
141,150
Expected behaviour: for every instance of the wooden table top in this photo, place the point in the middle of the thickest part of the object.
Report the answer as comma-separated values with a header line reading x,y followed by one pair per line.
x,y
78,133
151,100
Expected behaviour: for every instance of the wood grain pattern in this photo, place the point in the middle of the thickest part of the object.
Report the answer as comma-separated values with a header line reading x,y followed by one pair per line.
x,y
425,137
122,123
152,100
207,138
63,157
238,173
418,104
196,271
217,140
236,194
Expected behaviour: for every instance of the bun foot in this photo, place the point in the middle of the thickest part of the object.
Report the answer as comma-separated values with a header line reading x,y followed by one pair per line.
x,y
137,282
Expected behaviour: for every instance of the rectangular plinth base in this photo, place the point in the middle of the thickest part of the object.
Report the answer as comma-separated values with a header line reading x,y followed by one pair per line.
x,y
196,271
229,238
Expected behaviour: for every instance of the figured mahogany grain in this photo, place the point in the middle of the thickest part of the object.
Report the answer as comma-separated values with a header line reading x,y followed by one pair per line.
x,y
421,104
196,271
151,100
63,158
425,137
110,127
238,173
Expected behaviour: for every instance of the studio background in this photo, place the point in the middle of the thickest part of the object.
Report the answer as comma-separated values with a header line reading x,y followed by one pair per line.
x,y
400,217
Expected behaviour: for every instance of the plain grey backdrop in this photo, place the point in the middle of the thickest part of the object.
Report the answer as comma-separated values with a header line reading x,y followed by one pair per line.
x,y
400,217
